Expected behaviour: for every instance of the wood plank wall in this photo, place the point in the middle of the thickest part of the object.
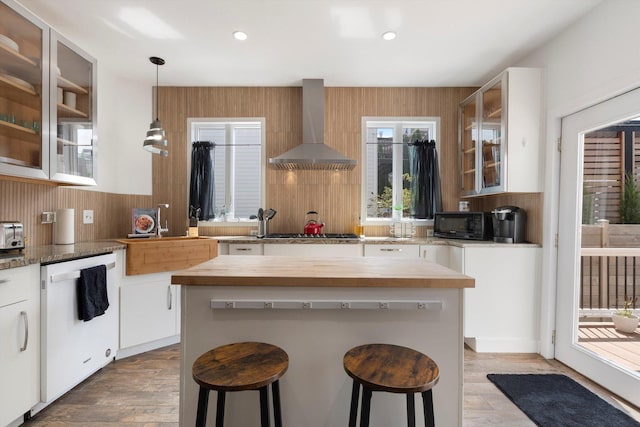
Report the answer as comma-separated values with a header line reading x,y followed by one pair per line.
x,y
24,201
335,195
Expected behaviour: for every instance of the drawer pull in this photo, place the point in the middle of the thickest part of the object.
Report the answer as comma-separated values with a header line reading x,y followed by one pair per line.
x,y
3,281
23,314
390,250
243,249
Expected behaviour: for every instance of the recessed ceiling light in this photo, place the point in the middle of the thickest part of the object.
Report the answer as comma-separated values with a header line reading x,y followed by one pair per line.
x,y
389,35
239,35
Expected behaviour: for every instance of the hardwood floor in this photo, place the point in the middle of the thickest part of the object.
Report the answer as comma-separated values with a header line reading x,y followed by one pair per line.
x,y
143,391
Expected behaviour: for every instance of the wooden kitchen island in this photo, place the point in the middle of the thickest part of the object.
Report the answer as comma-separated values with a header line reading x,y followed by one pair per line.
x,y
316,310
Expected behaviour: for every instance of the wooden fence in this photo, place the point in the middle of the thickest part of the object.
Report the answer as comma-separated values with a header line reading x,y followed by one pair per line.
x,y
610,265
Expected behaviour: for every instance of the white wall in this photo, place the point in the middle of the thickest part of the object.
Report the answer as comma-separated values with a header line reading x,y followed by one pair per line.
x,y
593,60
124,115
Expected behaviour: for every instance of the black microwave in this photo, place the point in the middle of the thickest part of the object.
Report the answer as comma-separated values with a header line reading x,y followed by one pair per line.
x,y
463,225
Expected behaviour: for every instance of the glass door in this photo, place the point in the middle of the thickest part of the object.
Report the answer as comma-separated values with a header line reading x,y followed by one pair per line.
x,y
73,113
491,136
468,146
23,88
591,267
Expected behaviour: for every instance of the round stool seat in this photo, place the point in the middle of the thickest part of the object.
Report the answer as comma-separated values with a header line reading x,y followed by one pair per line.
x,y
391,368
240,366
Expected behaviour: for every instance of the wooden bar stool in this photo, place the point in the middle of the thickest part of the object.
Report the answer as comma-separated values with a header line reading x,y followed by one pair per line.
x,y
394,369
238,367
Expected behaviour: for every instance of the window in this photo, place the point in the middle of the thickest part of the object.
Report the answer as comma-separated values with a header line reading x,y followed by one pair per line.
x,y
387,165
237,164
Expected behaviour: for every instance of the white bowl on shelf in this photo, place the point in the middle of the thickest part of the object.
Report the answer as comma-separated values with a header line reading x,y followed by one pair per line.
x,y
18,81
9,43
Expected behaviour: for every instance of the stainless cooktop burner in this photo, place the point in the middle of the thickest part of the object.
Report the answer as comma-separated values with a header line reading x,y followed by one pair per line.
x,y
310,236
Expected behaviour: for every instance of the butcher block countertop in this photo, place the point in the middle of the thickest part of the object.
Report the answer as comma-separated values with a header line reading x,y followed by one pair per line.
x,y
371,272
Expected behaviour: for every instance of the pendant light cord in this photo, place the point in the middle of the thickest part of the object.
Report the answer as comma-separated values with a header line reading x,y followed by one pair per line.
x,y
157,91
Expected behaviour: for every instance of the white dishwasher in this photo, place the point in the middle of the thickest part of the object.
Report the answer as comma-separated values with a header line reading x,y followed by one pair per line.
x,y
73,349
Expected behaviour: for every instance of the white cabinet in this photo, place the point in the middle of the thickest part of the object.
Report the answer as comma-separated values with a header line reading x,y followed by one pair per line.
x,y
436,253
20,338
392,250
73,116
24,86
246,249
314,249
149,313
501,313
47,92
500,134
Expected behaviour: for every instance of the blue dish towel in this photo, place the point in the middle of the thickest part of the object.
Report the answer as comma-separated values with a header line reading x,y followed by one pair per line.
x,y
92,292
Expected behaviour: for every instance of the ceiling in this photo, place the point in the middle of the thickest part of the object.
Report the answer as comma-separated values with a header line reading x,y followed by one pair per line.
x,y
439,42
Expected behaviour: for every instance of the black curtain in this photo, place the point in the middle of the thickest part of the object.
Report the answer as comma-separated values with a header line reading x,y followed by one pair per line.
x,y
426,196
202,189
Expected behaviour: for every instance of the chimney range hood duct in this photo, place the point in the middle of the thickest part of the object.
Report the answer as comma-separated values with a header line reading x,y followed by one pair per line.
x,y
312,154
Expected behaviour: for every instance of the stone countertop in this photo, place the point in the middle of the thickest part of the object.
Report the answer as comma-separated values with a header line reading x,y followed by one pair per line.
x,y
374,241
56,253
291,271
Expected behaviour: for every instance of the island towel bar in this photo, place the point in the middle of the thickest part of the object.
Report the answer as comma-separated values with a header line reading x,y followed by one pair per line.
x,y
74,274
225,304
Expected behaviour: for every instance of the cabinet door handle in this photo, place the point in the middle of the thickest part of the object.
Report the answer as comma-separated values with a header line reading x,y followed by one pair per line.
x,y
169,298
3,281
390,250
23,314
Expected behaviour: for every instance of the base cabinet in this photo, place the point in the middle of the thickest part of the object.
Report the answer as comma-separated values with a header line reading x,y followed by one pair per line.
x,y
392,251
436,253
314,250
501,314
149,310
20,336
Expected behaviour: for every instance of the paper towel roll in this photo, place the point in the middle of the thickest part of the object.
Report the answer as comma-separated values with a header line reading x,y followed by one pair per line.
x,y
65,219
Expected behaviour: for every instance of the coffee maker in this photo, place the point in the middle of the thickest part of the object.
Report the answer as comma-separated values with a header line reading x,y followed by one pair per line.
x,y
509,224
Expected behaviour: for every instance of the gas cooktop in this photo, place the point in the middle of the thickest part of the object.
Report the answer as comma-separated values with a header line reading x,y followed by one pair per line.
x,y
310,236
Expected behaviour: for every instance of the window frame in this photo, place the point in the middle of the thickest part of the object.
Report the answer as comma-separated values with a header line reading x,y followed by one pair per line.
x,y
192,125
397,123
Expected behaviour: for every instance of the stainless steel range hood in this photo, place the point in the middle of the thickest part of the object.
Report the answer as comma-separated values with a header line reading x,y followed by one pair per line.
x,y
312,153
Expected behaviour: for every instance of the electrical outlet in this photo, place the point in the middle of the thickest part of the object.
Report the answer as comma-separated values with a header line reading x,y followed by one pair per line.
x,y
87,216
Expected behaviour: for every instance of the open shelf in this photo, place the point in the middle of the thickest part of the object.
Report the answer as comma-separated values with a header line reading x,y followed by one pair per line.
x,y
71,86
495,113
66,142
64,111
14,128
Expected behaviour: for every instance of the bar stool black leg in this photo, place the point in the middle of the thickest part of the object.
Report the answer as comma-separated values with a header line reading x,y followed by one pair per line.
x,y
264,407
277,414
427,401
220,409
411,410
366,407
355,396
203,401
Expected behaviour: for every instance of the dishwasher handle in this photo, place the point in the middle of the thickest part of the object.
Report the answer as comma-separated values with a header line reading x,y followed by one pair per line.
x,y
23,314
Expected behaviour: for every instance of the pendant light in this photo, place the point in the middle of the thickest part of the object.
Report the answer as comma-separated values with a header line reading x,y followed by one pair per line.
x,y
156,141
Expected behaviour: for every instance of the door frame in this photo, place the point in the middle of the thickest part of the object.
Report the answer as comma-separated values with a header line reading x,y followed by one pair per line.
x,y
619,380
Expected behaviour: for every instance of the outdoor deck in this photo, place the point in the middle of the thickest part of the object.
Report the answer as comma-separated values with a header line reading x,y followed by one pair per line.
x,y
618,347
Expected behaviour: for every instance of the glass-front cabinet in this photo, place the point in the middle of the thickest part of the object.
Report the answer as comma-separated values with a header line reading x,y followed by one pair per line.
x,y
73,113
491,135
47,102
499,135
24,86
469,136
